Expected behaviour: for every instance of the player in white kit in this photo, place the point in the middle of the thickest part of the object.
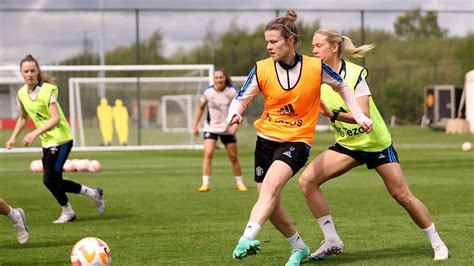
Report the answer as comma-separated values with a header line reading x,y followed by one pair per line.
x,y
217,98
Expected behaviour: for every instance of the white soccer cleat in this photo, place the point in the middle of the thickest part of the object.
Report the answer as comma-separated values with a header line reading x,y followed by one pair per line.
x,y
99,201
21,227
65,218
328,247
441,252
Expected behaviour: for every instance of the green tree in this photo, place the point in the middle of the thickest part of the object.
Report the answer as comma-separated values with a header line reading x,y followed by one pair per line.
x,y
414,25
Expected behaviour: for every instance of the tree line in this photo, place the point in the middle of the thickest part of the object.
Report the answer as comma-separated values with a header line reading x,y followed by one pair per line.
x,y
418,53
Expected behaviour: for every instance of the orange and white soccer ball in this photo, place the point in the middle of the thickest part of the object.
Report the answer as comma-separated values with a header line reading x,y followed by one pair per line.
x,y
69,166
36,166
94,166
91,251
81,165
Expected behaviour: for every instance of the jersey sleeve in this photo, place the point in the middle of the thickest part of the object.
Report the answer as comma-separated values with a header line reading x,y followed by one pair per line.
x,y
362,88
53,98
244,96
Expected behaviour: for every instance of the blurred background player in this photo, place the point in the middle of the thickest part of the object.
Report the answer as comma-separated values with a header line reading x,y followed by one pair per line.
x,y
290,83
18,219
354,147
37,99
120,114
217,98
105,116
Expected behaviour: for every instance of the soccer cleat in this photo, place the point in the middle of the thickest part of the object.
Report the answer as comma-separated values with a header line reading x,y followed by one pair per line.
x,y
441,252
297,256
99,201
328,247
241,187
246,247
65,218
204,188
21,227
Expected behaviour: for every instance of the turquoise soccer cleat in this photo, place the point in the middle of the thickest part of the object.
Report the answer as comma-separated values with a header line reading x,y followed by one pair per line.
x,y
297,256
246,247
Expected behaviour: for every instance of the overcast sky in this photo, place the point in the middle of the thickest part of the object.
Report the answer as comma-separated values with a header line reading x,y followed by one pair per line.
x,y
56,35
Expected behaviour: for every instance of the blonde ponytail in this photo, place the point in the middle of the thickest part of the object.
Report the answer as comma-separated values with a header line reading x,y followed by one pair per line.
x,y
346,47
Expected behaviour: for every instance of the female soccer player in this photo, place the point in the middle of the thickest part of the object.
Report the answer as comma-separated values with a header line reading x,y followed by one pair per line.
x,y
290,83
217,98
37,99
354,147
18,219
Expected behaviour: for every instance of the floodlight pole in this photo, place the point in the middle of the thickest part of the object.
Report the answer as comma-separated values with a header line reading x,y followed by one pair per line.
x,y
101,91
137,61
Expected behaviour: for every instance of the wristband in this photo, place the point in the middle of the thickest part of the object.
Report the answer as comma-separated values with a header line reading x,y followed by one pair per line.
x,y
334,117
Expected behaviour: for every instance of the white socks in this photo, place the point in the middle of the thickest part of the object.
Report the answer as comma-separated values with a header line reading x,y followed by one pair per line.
x,y
205,179
88,191
327,226
433,236
67,208
296,241
13,215
239,180
251,230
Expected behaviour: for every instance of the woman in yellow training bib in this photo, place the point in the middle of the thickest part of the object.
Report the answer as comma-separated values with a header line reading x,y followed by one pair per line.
x,y
354,147
37,99
290,83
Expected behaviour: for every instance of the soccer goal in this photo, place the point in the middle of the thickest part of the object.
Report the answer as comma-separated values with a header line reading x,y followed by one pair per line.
x,y
157,104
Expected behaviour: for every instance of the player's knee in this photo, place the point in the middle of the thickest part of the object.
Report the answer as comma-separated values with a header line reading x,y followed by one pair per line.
x,y
307,184
404,198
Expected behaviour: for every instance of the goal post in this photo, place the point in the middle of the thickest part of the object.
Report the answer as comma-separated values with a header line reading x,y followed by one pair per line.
x,y
168,105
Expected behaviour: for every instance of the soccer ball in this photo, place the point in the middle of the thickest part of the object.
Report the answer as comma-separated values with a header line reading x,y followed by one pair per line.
x,y
69,166
81,165
36,166
466,146
94,166
91,251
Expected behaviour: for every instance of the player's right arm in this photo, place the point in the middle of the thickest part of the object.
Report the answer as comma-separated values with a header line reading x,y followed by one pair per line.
x,y
20,124
197,117
242,99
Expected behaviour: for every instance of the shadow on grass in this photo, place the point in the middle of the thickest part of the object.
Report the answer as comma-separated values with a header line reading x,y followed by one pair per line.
x,y
380,254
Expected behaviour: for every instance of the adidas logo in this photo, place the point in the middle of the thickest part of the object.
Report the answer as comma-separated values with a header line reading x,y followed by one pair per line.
x,y
327,222
287,110
288,152
381,156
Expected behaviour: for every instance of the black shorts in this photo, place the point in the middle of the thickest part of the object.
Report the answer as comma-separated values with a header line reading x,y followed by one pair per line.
x,y
54,158
229,138
294,154
371,159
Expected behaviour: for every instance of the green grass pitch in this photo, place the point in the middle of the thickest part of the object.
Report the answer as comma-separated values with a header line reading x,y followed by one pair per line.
x,y
156,216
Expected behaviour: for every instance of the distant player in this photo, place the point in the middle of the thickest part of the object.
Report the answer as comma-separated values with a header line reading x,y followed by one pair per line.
x,y
217,98
354,146
18,219
37,99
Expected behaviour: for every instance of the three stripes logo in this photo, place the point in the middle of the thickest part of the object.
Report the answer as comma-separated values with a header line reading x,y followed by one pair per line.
x,y
287,110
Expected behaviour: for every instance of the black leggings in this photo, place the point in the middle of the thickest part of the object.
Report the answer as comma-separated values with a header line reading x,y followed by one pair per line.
x,y
53,161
